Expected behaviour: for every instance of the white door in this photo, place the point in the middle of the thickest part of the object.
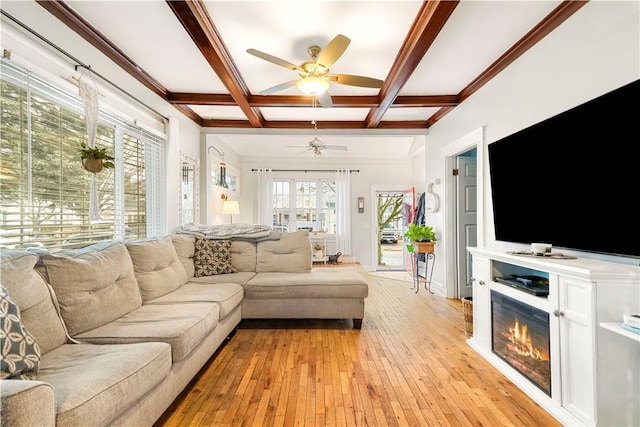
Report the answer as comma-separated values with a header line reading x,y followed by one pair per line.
x,y
466,222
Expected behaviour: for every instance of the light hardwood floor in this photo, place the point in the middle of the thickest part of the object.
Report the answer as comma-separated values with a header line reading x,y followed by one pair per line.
x,y
409,365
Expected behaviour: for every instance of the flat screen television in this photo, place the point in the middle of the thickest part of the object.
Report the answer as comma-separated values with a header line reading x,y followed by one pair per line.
x,y
573,180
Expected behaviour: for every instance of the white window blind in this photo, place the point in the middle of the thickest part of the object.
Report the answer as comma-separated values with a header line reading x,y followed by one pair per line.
x,y
44,197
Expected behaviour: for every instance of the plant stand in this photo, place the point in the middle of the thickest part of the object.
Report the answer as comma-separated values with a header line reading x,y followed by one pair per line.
x,y
430,257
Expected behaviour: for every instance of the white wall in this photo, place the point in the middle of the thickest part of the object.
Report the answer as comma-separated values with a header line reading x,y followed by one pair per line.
x,y
594,52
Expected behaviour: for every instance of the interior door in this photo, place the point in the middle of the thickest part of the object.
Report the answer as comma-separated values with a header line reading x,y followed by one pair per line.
x,y
466,227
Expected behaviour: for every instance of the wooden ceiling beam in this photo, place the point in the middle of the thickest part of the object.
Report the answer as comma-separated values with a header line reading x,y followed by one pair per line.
x,y
331,124
425,28
196,21
306,101
303,101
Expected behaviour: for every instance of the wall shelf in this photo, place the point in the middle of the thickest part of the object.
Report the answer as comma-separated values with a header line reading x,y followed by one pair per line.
x,y
615,327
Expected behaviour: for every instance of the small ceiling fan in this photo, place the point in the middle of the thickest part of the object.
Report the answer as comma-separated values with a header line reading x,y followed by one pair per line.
x,y
316,147
314,74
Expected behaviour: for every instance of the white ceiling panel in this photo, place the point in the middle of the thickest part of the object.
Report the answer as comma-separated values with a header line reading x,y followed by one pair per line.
x,y
477,34
149,33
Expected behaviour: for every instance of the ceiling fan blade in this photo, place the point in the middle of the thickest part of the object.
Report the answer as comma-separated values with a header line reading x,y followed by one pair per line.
x,y
274,60
278,88
324,99
304,151
336,147
351,80
333,50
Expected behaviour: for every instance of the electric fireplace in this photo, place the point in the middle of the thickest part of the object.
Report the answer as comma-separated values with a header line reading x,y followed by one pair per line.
x,y
520,337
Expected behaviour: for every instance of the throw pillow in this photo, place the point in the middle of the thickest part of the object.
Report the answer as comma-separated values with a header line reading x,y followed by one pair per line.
x,y
19,350
212,257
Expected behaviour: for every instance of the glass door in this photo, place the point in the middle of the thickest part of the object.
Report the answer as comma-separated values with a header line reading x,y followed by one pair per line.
x,y
390,207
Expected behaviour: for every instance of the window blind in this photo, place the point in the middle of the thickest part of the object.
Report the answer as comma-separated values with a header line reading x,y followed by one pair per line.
x,y
44,191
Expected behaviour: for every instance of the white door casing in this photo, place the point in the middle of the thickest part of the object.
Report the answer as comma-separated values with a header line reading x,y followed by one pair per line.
x,y
474,139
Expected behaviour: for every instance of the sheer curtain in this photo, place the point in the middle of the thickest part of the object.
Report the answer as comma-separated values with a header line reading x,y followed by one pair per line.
x,y
343,211
265,202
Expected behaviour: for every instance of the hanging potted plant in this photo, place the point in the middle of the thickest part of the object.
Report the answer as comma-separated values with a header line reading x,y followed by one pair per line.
x,y
421,238
95,159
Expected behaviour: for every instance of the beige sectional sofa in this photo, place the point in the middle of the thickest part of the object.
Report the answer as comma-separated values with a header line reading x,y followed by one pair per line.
x,y
123,327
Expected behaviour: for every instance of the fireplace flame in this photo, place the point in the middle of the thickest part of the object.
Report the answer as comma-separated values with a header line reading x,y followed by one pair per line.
x,y
520,342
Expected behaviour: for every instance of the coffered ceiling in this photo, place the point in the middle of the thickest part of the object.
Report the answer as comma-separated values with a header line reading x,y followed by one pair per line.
x,y
431,56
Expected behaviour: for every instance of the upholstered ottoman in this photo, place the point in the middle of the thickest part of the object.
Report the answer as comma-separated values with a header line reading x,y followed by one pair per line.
x,y
331,293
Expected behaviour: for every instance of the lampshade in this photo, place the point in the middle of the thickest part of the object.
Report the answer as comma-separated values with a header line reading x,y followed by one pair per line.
x,y
313,85
231,207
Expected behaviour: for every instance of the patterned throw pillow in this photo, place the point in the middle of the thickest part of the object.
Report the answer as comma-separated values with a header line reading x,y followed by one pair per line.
x,y
20,352
212,257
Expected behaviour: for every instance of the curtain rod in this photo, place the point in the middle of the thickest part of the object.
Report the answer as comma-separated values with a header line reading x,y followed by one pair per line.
x,y
78,63
306,170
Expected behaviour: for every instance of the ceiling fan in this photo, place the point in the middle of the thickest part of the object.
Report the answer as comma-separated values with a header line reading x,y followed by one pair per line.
x,y
314,74
316,147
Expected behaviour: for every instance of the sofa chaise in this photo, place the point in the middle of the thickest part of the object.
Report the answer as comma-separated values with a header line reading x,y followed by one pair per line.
x,y
112,333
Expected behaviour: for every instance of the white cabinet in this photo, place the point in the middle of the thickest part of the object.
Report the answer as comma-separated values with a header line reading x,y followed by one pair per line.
x,y
481,301
577,330
595,372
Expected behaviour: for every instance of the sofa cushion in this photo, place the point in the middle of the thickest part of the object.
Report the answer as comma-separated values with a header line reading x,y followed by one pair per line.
x,y
183,326
227,295
19,350
186,249
290,254
29,291
212,257
94,285
243,255
94,384
157,267
40,398
320,283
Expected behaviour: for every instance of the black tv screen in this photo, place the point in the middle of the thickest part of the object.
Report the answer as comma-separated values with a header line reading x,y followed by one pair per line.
x,y
573,180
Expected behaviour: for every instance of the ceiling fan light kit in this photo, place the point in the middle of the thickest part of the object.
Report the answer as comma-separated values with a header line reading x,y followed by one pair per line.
x,y
313,85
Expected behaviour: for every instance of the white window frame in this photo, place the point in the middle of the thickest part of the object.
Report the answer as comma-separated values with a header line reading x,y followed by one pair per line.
x,y
319,224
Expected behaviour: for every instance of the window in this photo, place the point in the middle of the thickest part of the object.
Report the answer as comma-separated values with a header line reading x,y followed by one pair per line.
x,y
304,205
44,191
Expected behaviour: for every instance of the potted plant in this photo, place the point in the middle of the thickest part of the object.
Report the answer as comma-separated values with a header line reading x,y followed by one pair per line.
x,y
422,238
94,159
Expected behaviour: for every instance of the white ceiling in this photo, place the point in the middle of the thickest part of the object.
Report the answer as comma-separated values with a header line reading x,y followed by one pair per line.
x,y
148,32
